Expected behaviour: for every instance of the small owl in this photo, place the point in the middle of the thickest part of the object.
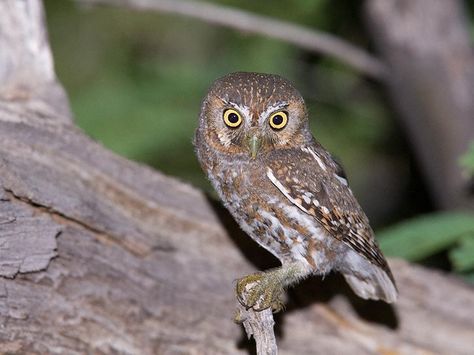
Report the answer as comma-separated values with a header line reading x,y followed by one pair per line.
x,y
285,190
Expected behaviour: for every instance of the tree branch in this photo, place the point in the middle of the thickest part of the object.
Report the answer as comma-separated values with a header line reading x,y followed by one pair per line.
x,y
427,46
303,37
259,324
27,70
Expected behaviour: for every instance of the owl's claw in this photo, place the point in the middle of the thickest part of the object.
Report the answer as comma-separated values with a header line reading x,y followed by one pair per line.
x,y
260,291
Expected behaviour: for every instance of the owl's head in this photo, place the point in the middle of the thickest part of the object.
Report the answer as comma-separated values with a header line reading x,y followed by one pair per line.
x,y
251,114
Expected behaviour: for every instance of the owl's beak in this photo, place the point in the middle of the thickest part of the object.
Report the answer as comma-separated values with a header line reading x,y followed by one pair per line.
x,y
254,145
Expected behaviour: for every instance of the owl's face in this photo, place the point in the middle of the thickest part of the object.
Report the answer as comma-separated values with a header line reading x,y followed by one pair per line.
x,y
250,114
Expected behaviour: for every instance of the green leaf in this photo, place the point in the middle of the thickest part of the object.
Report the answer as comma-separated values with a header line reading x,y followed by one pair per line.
x,y
462,256
421,237
467,160
469,277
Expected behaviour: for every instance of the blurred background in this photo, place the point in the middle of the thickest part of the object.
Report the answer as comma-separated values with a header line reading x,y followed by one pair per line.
x,y
136,81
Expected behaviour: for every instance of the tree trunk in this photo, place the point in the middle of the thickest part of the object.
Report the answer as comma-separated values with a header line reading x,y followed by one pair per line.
x,y
103,255
426,45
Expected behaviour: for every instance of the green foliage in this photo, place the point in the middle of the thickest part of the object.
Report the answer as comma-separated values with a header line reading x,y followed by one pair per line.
x,y
462,256
467,160
422,237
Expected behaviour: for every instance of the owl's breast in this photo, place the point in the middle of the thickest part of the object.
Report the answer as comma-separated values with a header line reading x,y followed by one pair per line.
x,y
268,217
238,182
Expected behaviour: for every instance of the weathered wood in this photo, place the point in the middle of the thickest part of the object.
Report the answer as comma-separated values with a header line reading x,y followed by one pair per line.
x,y
146,264
259,325
26,64
28,242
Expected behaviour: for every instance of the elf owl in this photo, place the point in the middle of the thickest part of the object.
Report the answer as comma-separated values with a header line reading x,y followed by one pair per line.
x,y
285,190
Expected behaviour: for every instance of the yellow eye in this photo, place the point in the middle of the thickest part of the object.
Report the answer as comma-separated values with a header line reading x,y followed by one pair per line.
x,y
232,118
278,120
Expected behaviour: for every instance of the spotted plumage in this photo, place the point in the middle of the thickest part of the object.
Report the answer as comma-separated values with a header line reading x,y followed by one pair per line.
x,y
284,189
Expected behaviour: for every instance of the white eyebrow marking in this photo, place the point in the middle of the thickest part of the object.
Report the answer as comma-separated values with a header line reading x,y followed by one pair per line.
x,y
270,109
315,156
244,110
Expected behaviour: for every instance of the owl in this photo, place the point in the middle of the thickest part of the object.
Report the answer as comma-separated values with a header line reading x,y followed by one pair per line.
x,y
285,190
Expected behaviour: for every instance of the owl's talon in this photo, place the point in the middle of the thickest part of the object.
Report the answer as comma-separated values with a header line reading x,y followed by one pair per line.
x,y
259,292
238,317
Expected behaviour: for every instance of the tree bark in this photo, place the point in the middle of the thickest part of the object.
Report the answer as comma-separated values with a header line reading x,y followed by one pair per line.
x,y
103,255
426,45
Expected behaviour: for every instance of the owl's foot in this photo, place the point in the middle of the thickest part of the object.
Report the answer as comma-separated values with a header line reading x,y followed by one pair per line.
x,y
260,291
265,289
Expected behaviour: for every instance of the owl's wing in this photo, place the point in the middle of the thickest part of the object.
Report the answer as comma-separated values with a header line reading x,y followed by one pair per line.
x,y
313,181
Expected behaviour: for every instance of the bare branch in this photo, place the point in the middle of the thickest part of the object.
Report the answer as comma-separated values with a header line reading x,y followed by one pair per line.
x,y
26,64
309,39
431,58
260,326
19,62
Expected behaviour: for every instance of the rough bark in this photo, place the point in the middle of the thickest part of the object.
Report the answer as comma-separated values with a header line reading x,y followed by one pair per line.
x,y
427,48
102,255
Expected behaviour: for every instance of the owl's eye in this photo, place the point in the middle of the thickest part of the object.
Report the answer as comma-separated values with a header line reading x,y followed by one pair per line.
x,y
278,120
232,118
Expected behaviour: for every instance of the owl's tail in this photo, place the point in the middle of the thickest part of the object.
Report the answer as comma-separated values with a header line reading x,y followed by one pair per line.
x,y
374,285
369,281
